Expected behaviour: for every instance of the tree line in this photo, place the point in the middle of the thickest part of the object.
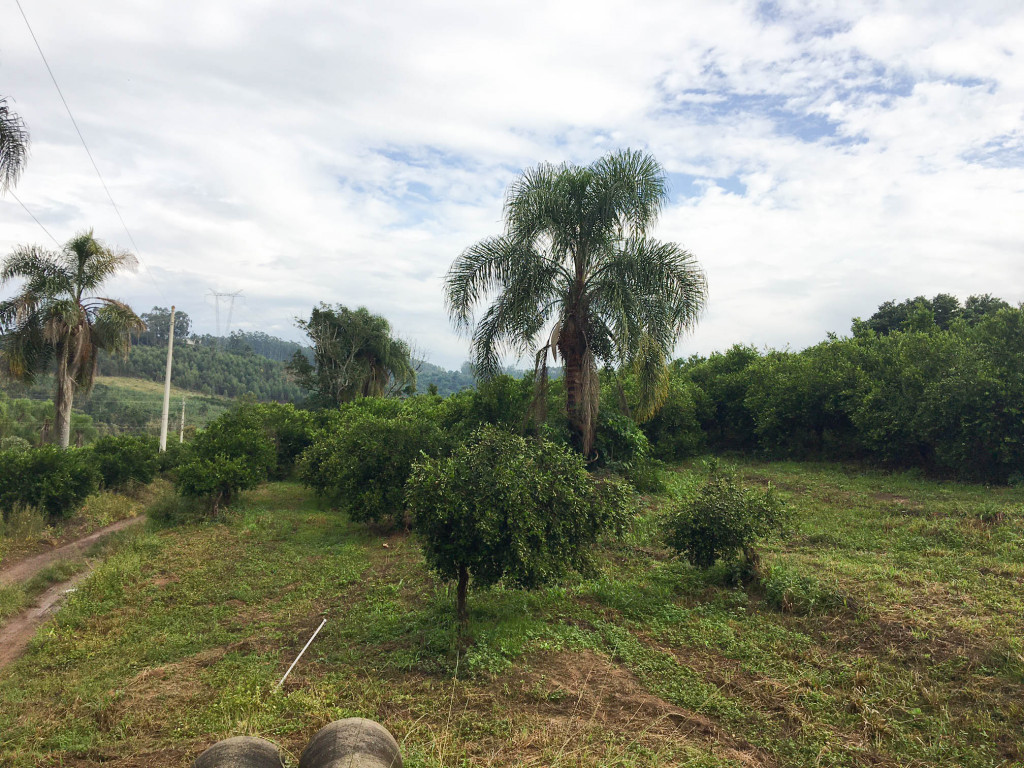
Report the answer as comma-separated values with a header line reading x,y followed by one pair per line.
x,y
925,383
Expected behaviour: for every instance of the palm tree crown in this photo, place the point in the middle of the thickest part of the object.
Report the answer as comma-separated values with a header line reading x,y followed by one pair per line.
x,y
56,316
577,274
13,146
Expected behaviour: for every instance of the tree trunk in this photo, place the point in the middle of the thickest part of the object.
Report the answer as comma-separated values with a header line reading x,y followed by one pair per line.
x,y
62,400
460,601
573,384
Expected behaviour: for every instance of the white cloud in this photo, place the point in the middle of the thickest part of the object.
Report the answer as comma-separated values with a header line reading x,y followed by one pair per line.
x,y
347,152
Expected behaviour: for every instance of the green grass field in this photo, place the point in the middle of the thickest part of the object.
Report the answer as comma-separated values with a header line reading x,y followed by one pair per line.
x,y
888,632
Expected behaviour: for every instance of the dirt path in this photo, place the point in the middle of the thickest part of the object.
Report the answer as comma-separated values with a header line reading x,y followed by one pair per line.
x,y
30,566
16,633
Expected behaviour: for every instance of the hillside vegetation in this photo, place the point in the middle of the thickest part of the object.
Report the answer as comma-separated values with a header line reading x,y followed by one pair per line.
x,y
115,406
887,632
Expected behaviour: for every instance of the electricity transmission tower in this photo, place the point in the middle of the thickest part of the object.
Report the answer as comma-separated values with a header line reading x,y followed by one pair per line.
x,y
230,296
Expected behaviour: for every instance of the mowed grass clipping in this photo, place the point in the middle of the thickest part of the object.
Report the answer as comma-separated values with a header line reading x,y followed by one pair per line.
x,y
887,632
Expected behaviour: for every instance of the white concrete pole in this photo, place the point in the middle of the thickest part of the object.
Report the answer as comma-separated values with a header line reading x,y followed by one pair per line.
x,y
167,387
181,434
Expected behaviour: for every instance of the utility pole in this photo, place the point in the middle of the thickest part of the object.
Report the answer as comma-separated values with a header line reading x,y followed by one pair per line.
x,y
181,434
167,387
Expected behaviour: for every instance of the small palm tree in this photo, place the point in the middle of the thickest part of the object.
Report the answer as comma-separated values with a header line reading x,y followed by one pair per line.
x,y
55,317
576,274
13,146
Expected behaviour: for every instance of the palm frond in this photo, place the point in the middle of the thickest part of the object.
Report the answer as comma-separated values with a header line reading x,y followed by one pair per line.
x,y
14,145
114,324
652,377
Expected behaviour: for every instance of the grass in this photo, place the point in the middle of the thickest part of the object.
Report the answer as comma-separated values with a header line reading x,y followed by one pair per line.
x,y
30,531
202,409
887,632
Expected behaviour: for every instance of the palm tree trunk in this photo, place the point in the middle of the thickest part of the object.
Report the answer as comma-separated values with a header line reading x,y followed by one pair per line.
x,y
573,396
62,400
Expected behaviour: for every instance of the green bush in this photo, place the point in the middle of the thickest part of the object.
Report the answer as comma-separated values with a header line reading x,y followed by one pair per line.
x,y
50,479
622,447
125,459
361,461
177,453
674,431
217,480
501,401
14,443
502,507
234,453
725,521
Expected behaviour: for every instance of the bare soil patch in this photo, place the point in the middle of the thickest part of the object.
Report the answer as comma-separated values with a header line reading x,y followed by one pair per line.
x,y
27,568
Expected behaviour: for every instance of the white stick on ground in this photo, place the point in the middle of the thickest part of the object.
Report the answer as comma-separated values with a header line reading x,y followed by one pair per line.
x,y
281,681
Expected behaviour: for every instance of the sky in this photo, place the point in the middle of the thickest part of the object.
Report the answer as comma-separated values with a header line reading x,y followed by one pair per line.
x,y
823,157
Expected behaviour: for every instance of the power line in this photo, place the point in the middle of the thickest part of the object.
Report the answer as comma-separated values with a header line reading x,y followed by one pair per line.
x,y
86,146
37,221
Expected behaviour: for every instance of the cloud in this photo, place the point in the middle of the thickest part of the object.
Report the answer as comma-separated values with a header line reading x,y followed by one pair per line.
x,y
823,157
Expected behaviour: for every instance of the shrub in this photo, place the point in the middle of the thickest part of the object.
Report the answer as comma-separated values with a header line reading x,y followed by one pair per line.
x,y
501,401
174,456
125,459
218,480
622,447
53,480
674,431
287,428
362,462
14,443
505,508
725,521
234,453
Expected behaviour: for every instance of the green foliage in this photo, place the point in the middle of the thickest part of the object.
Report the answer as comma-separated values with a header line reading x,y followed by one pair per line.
x,y
158,326
217,480
947,401
14,443
723,521
354,355
576,273
360,461
502,507
241,449
500,401
209,369
801,404
50,479
176,454
675,431
125,460
941,311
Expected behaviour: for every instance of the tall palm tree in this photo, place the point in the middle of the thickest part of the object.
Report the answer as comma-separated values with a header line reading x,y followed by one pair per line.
x,y
576,274
13,146
56,317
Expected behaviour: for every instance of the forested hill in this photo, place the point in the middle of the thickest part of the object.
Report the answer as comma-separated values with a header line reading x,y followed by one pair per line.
x,y
208,369
238,364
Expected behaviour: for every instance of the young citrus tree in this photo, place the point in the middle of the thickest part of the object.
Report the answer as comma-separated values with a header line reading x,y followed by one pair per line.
x,y
502,507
